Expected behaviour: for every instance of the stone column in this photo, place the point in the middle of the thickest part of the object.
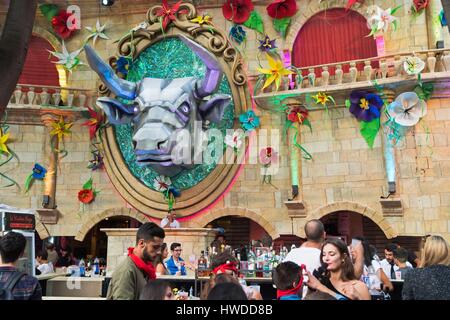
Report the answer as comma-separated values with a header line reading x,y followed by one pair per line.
x,y
434,28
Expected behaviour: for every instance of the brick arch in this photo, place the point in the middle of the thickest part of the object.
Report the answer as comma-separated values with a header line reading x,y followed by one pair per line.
x,y
41,229
215,214
315,7
109,213
372,214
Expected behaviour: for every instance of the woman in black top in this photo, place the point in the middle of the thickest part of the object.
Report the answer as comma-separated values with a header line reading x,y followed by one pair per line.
x,y
431,281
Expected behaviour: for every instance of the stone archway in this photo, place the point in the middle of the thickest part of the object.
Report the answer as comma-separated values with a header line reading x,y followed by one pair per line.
x,y
241,212
372,214
109,213
315,7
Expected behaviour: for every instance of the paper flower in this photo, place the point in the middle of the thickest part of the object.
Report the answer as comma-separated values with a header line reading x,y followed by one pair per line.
x,y
87,194
68,60
268,155
238,34
365,106
61,129
413,65
297,114
237,11
204,19
351,3
97,32
267,44
275,73
96,162
167,13
407,109
234,140
38,173
442,18
161,183
249,120
280,9
419,5
59,23
322,98
3,141
123,65
94,122
380,20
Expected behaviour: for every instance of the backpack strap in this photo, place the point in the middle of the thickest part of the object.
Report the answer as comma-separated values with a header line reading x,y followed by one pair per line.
x,y
12,281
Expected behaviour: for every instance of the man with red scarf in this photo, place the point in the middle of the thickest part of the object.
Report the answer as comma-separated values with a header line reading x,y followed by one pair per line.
x,y
288,278
131,276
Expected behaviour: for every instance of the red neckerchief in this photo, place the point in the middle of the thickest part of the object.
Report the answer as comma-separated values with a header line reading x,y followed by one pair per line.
x,y
296,289
226,266
148,267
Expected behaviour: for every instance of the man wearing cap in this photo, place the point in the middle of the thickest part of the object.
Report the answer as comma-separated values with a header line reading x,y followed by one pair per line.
x,y
169,221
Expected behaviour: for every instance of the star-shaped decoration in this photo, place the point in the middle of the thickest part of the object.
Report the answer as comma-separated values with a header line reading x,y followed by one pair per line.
x,y
68,60
61,128
97,32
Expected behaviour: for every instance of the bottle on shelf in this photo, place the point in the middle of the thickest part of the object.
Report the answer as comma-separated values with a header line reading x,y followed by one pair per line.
x,y
202,265
96,268
82,268
251,265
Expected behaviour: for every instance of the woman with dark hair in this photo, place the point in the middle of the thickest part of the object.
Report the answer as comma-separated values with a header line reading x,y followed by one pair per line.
x,y
336,274
160,266
227,291
157,290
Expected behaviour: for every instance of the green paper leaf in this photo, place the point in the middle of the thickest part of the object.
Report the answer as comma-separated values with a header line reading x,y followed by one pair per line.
x,y
307,123
49,10
255,22
281,25
28,182
393,11
347,103
369,131
395,24
332,99
424,91
88,185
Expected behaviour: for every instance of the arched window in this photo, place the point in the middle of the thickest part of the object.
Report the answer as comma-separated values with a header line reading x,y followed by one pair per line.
x,y
38,68
333,35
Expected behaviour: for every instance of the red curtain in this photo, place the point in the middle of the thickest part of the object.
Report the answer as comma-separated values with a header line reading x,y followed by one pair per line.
x,y
38,68
331,36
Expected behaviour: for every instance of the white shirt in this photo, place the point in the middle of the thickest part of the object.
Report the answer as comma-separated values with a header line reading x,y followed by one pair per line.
x,y
387,267
310,257
371,276
174,224
46,268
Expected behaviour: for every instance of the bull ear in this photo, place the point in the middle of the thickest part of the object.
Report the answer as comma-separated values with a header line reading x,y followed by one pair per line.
x,y
117,112
214,108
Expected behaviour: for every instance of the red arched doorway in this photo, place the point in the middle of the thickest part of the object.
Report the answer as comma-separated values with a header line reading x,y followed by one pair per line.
x,y
333,35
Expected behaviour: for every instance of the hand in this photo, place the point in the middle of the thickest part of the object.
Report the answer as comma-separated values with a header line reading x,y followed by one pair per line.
x,y
350,291
312,282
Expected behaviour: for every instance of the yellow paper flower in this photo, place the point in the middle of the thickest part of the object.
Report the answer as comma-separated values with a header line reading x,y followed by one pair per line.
x,y
275,73
322,98
3,140
202,19
60,128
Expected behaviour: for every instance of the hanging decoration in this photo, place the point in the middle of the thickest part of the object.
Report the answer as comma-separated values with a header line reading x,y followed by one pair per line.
x,y
88,193
413,65
97,160
123,65
68,60
379,20
281,11
234,141
96,32
238,34
267,45
5,151
60,20
275,73
249,121
267,157
442,18
203,19
163,184
295,117
60,130
322,98
95,122
237,11
418,7
167,14
255,22
38,173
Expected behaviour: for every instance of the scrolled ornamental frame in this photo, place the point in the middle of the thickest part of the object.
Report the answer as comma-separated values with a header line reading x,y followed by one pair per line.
x,y
206,192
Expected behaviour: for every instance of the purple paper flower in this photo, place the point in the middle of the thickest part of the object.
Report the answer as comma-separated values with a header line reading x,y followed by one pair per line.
x,y
365,106
267,45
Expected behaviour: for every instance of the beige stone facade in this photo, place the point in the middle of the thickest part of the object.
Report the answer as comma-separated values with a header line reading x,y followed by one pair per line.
x,y
344,174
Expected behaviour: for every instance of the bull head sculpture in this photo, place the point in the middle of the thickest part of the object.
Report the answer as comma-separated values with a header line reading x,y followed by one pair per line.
x,y
161,108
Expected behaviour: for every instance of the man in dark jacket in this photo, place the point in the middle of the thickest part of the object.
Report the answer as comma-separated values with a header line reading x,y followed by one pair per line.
x,y
131,276
12,247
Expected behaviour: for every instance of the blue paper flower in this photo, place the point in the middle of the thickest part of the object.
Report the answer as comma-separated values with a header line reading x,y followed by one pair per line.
x,y
39,171
249,120
442,18
123,64
174,191
365,106
267,45
238,34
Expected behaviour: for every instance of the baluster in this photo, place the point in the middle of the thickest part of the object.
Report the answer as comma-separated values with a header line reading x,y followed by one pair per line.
x,y
353,72
56,97
45,97
82,99
312,77
70,96
398,65
445,59
368,70
384,69
431,61
31,95
325,76
339,74
18,94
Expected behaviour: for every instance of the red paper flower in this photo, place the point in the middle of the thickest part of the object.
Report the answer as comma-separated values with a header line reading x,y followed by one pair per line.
x,y
420,4
94,122
297,114
237,11
86,196
59,23
280,9
168,13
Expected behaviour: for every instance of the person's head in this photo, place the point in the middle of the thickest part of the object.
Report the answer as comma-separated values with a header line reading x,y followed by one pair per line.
x,y
164,251
336,258
171,215
157,290
287,275
389,252
176,249
220,238
315,231
149,239
368,255
400,256
12,246
227,291
65,252
42,256
319,295
224,259
50,246
435,251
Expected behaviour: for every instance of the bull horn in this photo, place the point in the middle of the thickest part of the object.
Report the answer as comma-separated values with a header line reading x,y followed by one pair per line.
x,y
213,74
120,87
